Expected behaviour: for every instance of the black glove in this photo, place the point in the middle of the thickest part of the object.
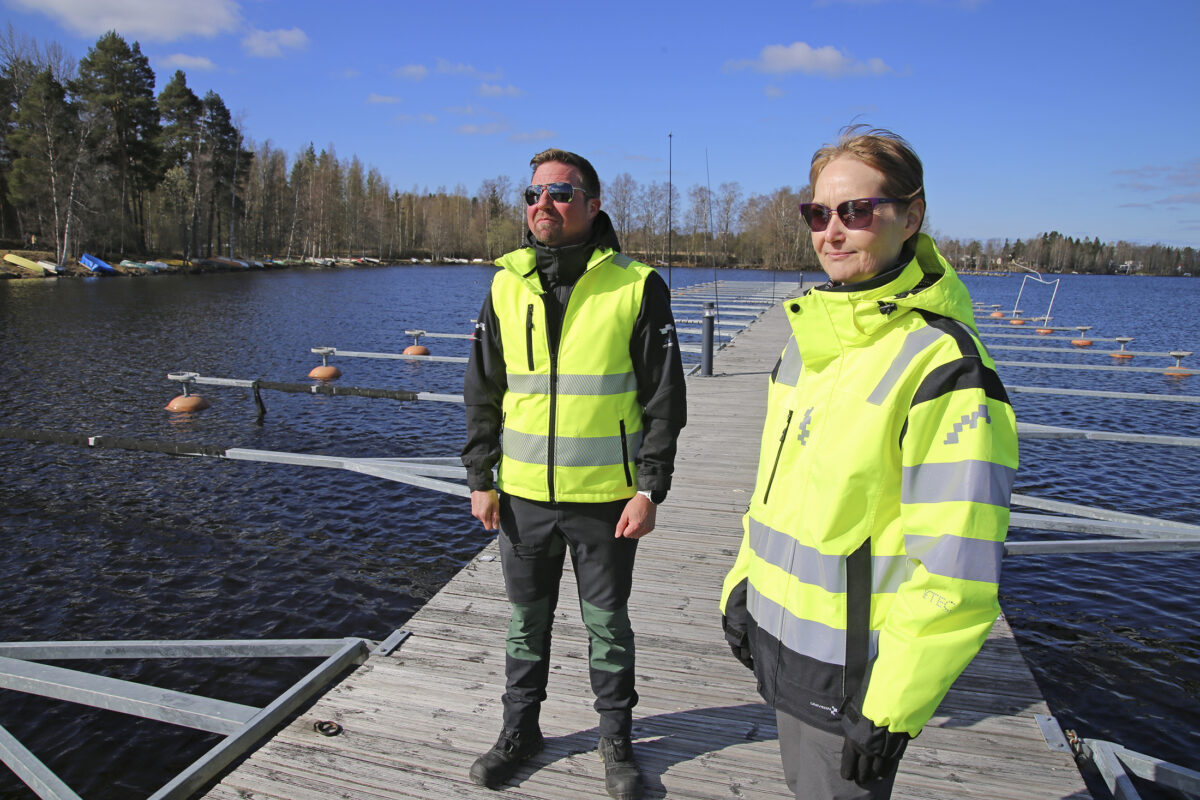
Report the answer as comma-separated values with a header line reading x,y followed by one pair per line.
x,y
739,643
742,653
869,752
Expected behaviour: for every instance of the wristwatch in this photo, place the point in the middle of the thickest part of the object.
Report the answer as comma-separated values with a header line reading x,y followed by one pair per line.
x,y
654,497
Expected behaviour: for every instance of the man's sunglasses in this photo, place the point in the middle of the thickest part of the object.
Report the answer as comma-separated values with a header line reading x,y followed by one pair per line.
x,y
855,214
560,192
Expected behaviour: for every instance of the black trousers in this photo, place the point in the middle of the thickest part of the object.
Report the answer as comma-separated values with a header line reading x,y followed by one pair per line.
x,y
812,763
534,538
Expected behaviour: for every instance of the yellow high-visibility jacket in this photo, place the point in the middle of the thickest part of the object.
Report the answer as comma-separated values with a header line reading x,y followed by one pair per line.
x,y
871,548
572,422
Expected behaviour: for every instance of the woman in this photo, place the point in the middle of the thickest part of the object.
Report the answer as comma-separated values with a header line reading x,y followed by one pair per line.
x,y
868,570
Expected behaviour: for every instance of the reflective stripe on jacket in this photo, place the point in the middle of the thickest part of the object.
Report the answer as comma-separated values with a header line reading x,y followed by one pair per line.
x,y
871,548
572,423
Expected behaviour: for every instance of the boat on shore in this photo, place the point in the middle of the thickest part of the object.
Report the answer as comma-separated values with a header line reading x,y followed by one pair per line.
x,y
146,266
25,263
95,265
52,268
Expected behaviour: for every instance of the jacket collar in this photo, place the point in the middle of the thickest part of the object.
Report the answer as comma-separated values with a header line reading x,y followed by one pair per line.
x,y
540,266
826,322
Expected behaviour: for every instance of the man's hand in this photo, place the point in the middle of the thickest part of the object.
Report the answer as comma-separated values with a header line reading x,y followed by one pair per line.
x,y
869,752
485,507
637,519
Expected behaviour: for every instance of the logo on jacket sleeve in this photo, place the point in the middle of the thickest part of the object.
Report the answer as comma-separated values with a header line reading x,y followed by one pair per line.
x,y
802,433
968,421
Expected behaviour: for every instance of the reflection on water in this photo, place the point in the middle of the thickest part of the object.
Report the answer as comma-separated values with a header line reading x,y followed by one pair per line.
x,y
106,544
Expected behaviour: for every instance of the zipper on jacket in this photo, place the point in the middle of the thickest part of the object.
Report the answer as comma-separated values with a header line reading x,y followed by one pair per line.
x,y
782,438
529,335
552,417
625,456
552,347
858,624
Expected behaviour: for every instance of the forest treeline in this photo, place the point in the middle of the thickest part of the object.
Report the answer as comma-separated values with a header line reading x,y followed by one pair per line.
x,y
91,159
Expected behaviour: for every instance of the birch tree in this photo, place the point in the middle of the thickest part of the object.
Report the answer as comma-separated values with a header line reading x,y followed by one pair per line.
x,y
48,148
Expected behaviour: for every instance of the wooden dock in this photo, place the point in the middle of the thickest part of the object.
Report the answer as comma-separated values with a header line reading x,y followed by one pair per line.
x,y
414,721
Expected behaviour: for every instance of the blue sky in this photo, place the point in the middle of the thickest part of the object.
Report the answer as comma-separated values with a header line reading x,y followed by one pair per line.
x,y
1081,117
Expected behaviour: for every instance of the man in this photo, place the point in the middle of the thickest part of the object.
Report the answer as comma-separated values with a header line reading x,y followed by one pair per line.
x,y
576,388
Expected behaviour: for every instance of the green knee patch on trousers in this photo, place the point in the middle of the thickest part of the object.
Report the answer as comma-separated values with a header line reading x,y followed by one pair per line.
x,y
527,629
611,637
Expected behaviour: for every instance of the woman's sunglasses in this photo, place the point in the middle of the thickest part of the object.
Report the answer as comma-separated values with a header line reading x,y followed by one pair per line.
x,y
855,214
561,192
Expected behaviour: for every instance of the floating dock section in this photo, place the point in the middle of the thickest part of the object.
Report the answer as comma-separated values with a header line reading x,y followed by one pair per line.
x,y
409,724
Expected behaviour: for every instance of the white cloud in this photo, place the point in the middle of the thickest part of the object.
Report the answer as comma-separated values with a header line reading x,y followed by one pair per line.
x,y
540,134
157,20
1159,178
185,62
495,90
1187,197
381,99
271,44
412,72
490,129
424,119
969,5
779,59
446,67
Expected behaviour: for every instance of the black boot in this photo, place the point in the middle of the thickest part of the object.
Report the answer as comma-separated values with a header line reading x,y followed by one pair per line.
x,y
621,775
497,765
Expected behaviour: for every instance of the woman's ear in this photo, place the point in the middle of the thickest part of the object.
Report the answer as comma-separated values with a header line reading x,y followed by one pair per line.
x,y
914,216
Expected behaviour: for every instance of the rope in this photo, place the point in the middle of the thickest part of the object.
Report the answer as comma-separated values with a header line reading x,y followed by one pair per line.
x,y
113,442
329,389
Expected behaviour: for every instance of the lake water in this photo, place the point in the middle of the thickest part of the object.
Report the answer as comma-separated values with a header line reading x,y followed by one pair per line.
x,y
108,544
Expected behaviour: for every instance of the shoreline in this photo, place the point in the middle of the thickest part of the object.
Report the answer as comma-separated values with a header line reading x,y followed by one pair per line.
x,y
175,266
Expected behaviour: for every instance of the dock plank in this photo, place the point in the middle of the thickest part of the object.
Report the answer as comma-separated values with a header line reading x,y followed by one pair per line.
x,y
414,721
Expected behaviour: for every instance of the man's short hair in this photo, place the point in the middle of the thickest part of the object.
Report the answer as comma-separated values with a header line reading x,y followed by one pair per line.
x,y
591,182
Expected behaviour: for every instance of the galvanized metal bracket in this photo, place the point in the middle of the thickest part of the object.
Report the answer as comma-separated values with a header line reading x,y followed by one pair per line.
x,y
1052,733
392,643
242,726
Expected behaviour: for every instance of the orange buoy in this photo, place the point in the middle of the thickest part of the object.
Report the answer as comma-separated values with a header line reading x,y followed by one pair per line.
x,y
1176,372
186,403
1016,322
416,350
996,315
325,373
1082,342
1044,331
1121,355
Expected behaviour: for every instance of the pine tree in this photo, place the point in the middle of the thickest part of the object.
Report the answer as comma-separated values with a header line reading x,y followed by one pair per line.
x,y
180,143
116,88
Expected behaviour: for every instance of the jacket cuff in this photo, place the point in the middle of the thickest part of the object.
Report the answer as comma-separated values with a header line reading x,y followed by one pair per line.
x,y
657,485
480,480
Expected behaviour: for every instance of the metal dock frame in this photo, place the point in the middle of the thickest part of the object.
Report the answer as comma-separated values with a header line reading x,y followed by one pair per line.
x,y
242,726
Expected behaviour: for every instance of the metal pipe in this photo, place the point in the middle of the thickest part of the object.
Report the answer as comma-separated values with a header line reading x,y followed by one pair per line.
x,y
706,340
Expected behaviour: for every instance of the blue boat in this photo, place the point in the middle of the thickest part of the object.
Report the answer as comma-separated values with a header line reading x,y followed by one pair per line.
x,y
96,265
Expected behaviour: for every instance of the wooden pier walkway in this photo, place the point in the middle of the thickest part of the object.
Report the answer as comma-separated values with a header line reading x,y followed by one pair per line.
x,y
415,720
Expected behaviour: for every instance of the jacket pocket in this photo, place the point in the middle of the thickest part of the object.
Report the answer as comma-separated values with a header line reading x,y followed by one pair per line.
x,y
787,423
625,456
529,335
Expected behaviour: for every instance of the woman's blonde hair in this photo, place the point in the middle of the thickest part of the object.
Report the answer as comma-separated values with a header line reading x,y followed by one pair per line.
x,y
903,175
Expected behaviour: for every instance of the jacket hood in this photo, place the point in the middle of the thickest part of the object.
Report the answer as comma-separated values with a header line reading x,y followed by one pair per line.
x,y
603,235
938,289
827,321
523,263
